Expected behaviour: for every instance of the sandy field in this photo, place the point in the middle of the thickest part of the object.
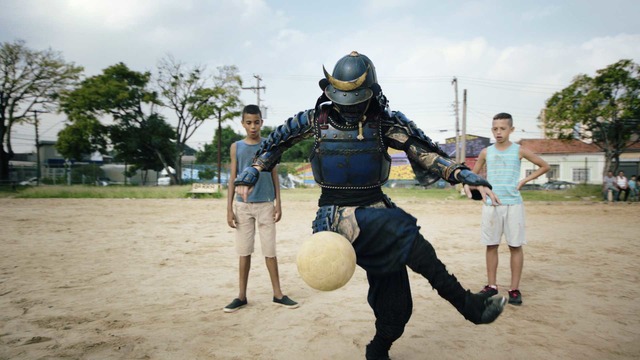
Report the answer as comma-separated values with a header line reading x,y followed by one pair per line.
x,y
147,279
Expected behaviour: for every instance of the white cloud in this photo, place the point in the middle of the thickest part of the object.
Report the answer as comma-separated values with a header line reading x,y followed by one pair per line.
x,y
417,47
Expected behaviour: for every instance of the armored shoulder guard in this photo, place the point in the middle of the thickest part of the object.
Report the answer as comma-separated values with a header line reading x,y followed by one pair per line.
x,y
428,161
294,130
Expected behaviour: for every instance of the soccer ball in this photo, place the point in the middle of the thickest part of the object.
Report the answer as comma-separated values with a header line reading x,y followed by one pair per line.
x,y
326,261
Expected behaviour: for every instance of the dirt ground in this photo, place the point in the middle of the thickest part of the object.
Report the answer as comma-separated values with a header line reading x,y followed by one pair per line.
x,y
147,279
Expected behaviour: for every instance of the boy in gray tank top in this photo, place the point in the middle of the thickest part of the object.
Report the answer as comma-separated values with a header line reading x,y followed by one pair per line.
x,y
258,211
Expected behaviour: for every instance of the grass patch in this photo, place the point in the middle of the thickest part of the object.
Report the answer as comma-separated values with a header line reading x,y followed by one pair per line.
x,y
581,192
104,192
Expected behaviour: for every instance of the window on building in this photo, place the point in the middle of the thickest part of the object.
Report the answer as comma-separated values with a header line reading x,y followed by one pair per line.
x,y
580,175
554,172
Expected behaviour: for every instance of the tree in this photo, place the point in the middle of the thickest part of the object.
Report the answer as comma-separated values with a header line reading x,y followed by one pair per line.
x,y
184,90
29,80
139,134
226,104
209,154
85,136
604,109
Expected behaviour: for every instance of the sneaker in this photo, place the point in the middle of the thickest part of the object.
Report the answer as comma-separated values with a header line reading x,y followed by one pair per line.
x,y
286,302
488,291
515,297
493,309
235,305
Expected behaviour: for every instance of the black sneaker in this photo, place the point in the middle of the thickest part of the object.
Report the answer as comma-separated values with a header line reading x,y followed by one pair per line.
x,y
515,297
493,309
286,302
488,291
235,305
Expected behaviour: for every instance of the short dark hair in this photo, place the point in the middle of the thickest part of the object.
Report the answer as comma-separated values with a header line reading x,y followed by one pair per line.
x,y
504,116
251,109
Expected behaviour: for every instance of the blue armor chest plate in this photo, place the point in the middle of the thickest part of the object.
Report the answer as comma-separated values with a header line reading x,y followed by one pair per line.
x,y
341,161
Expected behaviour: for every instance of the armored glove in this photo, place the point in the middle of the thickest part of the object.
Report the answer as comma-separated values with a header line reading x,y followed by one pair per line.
x,y
470,178
248,176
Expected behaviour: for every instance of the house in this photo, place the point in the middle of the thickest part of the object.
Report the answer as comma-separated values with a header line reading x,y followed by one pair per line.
x,y
576,161
570,160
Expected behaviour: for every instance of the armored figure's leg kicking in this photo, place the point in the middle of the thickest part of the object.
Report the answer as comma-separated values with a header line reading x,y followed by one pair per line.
x,y
475,308
389,239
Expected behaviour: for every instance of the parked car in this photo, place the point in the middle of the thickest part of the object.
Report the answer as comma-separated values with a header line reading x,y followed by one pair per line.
x,y
164,181
531,187
558,185
29,182
103,181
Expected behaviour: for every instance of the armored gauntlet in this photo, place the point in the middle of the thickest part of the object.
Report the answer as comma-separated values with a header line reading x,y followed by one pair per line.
x,y
249,177
470,178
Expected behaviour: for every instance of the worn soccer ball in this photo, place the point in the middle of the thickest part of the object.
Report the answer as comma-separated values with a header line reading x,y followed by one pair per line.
x,y
326,261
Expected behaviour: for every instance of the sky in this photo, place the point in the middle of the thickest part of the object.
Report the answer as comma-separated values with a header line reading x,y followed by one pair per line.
x,y
509,56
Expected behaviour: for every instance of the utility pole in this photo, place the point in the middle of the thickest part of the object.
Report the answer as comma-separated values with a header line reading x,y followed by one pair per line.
x,y
463,147
454,82
257,88
35,121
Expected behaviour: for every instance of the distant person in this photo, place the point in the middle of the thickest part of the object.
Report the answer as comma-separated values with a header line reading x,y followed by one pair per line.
x,y
633,188
623,185
507,218
257,211
609,184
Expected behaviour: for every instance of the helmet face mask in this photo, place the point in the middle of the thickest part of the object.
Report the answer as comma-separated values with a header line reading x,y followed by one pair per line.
x,y
352,114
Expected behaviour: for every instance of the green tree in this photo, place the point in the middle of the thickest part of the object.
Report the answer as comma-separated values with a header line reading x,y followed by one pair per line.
x,y
604,109
85,136
189,92
29,80
225,105
209,154
139,134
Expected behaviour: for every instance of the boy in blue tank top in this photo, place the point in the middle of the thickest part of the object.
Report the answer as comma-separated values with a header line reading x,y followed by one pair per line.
x,y
258,211
506,217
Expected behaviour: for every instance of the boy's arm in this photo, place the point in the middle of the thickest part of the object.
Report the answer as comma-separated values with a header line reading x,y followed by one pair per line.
x,y
231,189
480,162
543,166
276,187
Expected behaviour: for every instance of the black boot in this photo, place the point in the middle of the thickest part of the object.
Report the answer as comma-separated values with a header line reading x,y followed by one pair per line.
x,y
482,310
377,349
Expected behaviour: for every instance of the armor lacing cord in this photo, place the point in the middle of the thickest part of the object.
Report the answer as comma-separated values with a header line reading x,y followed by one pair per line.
x,y
360,136
362,120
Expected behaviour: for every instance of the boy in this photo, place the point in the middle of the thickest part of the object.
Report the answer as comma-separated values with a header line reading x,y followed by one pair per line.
x,y
503,172
259,207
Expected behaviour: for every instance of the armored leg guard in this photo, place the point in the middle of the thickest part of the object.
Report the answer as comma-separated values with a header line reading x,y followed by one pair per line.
x,y
423,260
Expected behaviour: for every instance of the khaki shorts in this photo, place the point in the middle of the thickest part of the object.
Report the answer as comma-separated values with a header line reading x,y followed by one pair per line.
x,y
250,216
503,219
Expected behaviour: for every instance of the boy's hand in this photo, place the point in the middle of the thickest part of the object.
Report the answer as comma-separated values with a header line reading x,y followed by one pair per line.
x,y
277,213
231,218
243,191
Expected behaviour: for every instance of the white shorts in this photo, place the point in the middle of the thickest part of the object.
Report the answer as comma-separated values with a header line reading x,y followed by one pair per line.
x,y
250,216
503,219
